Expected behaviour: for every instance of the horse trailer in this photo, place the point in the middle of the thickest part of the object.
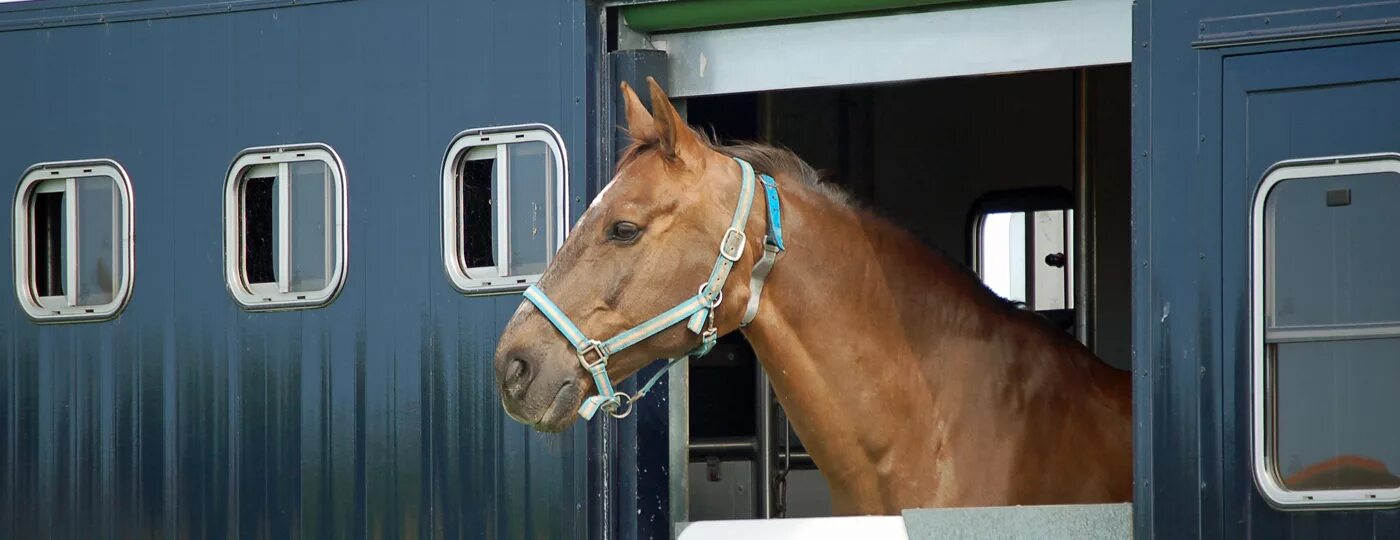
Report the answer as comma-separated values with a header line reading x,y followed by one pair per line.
x,y
220,208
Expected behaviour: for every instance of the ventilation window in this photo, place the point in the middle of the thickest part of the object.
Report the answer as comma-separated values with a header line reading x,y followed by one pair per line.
x,y
1326,332
505,202
1022,248
73,241
284,227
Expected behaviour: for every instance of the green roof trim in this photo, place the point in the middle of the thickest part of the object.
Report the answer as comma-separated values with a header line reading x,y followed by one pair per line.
x,y
693,14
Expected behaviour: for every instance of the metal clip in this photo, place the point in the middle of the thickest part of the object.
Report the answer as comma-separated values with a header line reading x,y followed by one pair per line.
x,y
618,401
732,246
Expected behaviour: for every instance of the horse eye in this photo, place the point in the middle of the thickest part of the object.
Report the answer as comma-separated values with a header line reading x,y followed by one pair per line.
x,y
624,231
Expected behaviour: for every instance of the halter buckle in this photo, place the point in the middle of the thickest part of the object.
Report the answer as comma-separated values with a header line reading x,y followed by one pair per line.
x,y
732,246
592,346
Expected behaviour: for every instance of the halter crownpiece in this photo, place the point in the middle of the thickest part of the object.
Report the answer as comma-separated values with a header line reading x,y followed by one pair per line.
x,y
698,309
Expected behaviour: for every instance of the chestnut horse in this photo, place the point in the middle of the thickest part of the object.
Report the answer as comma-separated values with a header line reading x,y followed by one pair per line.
x,y
910,383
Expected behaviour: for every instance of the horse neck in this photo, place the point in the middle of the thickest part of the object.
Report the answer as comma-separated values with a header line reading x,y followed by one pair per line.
x,y
855,283
860,319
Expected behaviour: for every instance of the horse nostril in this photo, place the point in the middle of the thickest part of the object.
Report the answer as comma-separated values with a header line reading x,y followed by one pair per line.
x,y
518,368
517,377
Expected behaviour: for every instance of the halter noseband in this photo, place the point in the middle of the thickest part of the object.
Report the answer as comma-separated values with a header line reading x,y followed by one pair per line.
x,y
699,309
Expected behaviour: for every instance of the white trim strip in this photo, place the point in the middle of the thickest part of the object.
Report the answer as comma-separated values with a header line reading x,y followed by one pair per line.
x,y
947,43
284,226
70,241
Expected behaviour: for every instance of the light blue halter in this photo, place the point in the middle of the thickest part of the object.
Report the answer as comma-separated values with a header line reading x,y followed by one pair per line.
x,y
699,309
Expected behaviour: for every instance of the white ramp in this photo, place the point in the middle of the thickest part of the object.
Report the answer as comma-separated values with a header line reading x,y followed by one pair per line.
x,y
1051,522
833,528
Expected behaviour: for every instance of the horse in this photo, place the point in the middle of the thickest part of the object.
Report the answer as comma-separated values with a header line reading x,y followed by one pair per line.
x,y
910,383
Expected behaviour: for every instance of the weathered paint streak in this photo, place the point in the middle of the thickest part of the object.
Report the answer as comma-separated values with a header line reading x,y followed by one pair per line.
x,y
1196,160
374,417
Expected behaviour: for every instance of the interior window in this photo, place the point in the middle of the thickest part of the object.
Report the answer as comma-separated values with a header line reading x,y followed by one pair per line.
x,y
48,237
478,180
260,229
1025,256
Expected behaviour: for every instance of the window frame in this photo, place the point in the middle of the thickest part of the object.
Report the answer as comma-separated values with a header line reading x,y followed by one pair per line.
x,y
1261,407
494,279
1026,201
38,308
277,296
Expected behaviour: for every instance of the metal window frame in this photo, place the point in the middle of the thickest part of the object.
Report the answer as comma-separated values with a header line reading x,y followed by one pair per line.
x,y
496,279
1261,446
44,309
261,297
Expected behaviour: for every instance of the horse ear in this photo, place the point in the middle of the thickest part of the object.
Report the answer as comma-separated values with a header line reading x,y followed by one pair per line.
x,y
675,137
640,125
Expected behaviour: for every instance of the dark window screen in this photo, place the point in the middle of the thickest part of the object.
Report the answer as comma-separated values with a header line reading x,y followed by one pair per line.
x,y
478,246
259,230
48,244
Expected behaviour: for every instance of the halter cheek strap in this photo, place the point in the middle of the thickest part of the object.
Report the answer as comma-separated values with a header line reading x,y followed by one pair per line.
x,y
698,309
772,244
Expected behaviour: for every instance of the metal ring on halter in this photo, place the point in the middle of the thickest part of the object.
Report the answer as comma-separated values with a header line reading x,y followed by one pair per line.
x,y
617,402
701,293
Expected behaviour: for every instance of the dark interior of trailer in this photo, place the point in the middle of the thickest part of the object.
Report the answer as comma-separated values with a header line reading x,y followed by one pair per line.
x,y
1014,158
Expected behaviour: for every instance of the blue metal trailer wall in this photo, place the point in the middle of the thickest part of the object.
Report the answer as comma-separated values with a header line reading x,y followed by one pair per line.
x,y
1222,90
188,417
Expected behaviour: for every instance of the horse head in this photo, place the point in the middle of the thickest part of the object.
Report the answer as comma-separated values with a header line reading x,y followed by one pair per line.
x,y
642,248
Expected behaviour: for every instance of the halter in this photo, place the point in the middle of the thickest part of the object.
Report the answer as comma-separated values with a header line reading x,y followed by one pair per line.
x,y
699,309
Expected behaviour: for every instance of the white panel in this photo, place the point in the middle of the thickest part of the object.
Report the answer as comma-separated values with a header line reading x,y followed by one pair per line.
x,y
831,528
1051,283
949,43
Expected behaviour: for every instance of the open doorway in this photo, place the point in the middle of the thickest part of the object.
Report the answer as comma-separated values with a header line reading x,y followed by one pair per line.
x,y
1023,177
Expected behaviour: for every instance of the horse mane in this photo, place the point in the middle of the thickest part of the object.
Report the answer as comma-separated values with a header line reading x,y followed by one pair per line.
x,y
765,158
780,161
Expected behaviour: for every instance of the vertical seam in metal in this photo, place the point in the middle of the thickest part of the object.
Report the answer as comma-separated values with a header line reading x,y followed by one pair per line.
x,y
1083,222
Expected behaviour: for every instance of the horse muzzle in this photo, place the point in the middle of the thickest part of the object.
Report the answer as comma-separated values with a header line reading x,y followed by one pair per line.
x,y
539,389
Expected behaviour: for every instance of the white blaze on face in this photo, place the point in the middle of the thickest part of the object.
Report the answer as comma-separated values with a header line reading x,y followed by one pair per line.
x,y
607,187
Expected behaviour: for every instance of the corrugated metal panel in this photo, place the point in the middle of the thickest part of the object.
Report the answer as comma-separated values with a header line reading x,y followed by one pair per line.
x,y
1191,195
375,417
